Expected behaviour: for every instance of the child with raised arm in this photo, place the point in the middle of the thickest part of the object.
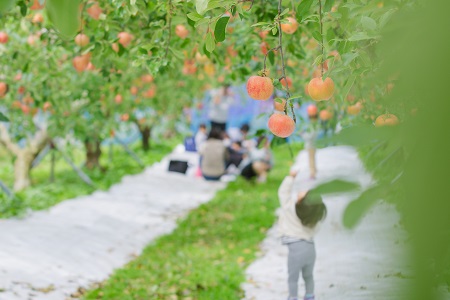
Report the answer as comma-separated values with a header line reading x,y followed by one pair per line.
x,y
298,219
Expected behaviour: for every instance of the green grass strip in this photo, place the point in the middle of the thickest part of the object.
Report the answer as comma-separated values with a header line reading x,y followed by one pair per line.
x,y
206,256
67,185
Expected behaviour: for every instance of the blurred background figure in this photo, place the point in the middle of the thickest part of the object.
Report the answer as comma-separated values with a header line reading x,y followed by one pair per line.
x,y
213,156
222,99
201,136
259,161
309,136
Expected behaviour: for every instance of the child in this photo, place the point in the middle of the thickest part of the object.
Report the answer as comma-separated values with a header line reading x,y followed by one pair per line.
x,y
297,224
201,136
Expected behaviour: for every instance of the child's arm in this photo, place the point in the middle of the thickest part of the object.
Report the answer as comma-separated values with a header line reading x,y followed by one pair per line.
x,y
285,190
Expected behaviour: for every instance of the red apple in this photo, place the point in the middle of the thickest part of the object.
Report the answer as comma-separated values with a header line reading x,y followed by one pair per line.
x,y
3,37
290,27
325,115
38,18
259,88
81,62
124,38
3,89
279,105
94,11
288,80
118,99
36,5
81,40
281,125
386,120
321,90
311,110
181,31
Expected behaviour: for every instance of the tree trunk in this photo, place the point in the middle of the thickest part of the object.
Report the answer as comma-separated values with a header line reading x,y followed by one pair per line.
x,y
22,167
93,153
146,133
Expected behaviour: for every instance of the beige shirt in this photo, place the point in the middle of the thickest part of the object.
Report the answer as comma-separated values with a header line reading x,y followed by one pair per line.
x,y
213,155
289,225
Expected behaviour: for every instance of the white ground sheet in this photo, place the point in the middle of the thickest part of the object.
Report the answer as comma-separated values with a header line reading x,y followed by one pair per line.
x,y
50,254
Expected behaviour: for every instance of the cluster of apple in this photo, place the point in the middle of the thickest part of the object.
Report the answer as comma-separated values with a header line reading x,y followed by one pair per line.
x,y
261,88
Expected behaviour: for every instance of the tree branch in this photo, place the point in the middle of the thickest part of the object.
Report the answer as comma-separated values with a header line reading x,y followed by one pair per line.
x,y
5,140
283,67
39,141
170,29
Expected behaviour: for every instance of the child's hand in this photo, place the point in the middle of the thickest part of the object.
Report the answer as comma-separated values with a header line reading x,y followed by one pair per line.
x,y
293,173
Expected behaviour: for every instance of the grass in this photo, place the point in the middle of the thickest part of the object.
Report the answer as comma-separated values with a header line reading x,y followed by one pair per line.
x,y
206,256
44,194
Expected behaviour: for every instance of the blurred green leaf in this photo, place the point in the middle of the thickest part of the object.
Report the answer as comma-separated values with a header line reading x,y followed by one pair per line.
x,y
65,16
3,118
335,187
6,5
303,8
219,30
359,207
201,6
210,43
368,23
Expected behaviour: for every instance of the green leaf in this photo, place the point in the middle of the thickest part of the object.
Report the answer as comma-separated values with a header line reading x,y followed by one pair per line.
x,y
328,5
368,23
23,8
348,86
284,12
194,16
6,5
359,207
303,8
65,16
317,36
363,135
176,53
347,58
220,29
271,56
201,6
359,36
334,187
210,43
386,16
3,118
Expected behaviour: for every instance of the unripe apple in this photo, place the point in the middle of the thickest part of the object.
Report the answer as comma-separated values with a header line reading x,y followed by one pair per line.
x,y
259,88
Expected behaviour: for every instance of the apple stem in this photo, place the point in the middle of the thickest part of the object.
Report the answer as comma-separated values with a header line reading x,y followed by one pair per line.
x,y
283,67
170,29
321,35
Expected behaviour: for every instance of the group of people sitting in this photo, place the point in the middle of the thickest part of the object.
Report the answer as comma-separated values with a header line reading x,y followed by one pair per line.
x,y
220,154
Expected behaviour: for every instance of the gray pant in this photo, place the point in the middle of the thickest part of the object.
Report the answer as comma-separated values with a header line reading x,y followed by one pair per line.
x,y
301,258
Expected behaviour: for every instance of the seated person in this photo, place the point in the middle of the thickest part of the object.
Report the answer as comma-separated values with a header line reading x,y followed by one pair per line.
x,y
213,156
200,136
260,161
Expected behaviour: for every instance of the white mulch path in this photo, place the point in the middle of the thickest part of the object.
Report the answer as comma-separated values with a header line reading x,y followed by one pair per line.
x,y
359,264
50,254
